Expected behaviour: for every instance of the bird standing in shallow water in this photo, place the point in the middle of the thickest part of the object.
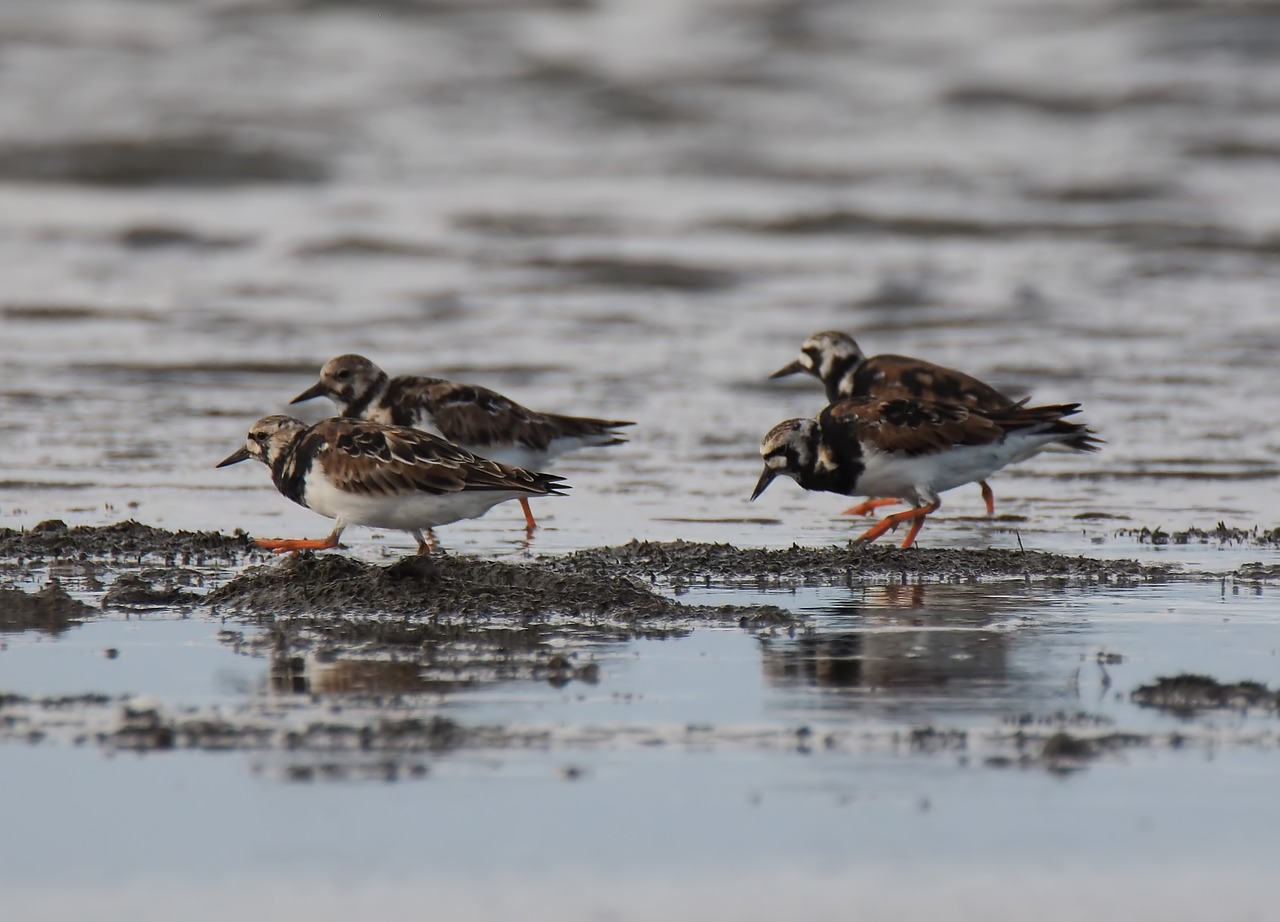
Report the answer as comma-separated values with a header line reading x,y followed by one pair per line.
x,y
909,449
835,359
474,418
363,473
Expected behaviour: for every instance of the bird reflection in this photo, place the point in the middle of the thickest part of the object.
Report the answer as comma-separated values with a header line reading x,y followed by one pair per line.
x,y
307,675
909,637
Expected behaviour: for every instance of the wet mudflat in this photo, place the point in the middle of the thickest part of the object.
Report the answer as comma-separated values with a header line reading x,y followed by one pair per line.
x,y
671,703
896,721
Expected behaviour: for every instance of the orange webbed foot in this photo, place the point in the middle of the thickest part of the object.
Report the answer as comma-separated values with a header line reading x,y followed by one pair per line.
x,y
915,516
293,545
870,506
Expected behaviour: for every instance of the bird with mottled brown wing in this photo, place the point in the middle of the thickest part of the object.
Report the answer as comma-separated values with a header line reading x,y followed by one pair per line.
x,y
364,457
910,426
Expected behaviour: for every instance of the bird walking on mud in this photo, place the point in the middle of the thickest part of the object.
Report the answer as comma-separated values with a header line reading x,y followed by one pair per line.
x,y
364,473
910,449
475,418
835,359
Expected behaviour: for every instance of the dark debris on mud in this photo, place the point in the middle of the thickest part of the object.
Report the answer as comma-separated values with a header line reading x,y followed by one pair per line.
x,y
1188,694
51,609
446,585
684,561
1220,534
130,539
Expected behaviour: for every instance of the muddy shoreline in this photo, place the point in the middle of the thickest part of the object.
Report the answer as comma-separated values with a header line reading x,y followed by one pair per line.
x,y
386,640
139,565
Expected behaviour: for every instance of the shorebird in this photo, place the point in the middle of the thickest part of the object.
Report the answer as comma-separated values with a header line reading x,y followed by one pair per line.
x,y
835,359
475,418
910,449
364,473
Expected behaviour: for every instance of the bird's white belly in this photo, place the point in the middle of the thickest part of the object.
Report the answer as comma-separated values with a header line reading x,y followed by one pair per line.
x,y
519,456
404,512
915,477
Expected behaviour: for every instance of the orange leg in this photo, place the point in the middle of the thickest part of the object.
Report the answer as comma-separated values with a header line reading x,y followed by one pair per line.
x,y
426,544
988,497
870,506
915,516
293,545
530,523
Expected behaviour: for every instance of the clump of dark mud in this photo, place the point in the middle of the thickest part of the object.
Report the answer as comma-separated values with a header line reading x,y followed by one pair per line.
x,y
851,563
628,273
1188,694
50,609
1220,534
195,160
141,590
123,539
166,236
445,585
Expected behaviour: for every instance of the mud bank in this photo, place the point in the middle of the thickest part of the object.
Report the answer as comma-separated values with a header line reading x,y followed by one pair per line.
x,y
1219,534
614,581
1191,694
683,562
53,539
51,609
448,585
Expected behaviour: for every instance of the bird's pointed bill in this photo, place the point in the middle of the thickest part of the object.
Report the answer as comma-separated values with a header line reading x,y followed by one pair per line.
x,y
787,370
311,393
762,484
240,454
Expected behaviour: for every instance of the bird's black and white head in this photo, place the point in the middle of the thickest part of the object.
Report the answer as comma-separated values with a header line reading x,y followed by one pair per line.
x,y
830,356
352,382
268,440
790,448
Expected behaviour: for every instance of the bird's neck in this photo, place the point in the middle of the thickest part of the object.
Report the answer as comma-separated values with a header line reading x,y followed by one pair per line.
x,y
372,394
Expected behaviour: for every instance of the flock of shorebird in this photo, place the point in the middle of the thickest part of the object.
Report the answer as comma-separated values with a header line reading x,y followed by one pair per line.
x,y
410,453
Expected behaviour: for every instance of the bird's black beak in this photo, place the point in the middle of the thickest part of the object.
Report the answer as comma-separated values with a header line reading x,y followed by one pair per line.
x,y
785,372
763,483
241,454
311,393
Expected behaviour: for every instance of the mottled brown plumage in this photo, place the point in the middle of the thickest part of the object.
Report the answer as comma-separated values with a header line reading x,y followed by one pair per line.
x,y
474,417
365,457
835,359
909,449
364,473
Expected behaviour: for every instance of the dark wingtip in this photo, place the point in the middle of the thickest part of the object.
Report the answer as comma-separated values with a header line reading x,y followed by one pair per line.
x,y
1086,441
552,484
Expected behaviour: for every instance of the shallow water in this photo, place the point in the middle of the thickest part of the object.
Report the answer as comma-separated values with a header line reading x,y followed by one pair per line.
x,y
603,210
640,210
703,762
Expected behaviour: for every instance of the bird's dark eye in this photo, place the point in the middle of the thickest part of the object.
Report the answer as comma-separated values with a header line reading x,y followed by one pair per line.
x,y
343,375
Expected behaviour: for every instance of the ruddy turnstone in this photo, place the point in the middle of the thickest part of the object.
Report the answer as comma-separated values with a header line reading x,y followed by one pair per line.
x,y
473,417
835,359
910,449
364,473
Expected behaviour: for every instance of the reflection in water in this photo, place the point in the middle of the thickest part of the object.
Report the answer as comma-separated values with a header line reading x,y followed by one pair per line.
x,y
449,668
307,675
909,637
